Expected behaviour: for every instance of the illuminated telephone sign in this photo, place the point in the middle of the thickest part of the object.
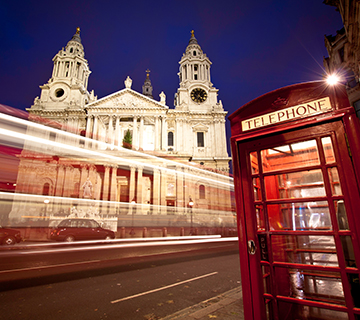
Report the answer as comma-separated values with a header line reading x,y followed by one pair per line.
x,y
299,111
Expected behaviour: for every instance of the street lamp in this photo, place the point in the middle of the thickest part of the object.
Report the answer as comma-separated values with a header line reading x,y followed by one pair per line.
x,y
332,79
190,205
46,202
132,203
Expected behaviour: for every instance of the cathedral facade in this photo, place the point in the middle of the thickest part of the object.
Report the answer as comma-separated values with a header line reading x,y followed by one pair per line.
x,y
193,130
175,163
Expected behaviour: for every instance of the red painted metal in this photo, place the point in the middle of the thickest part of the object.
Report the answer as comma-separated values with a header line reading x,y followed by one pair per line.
x,y
342,127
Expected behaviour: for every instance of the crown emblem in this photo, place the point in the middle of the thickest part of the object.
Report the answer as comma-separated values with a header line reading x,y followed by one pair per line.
x,y
280,102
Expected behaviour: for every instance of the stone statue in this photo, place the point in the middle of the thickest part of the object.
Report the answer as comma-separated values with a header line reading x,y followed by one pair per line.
x,y
87,186
128,82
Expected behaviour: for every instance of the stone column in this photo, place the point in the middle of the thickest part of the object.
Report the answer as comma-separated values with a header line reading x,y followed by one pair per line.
x,y
135,133
156,190
105,196
180,189
141,134
163,134
68,181
83,176
113,188
60,181
117,131
132,184
163,190
139,193
156,135
88,127
110,132
95,128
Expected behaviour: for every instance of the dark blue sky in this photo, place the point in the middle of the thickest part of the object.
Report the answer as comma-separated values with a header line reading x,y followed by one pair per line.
x,y
255,46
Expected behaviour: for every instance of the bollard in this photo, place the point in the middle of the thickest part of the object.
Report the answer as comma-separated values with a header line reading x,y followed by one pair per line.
x,y
122,232
164,232
182,232
144,232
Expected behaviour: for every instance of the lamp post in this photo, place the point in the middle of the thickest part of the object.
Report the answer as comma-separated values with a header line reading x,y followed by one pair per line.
x,y
132,204
190,205
46,202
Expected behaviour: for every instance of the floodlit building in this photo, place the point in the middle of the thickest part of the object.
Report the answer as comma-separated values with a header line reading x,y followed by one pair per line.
x,y
176,159
343,49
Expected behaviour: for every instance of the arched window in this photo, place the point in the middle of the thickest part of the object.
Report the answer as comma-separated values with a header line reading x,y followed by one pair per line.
x,y
201,191
46,189
170,139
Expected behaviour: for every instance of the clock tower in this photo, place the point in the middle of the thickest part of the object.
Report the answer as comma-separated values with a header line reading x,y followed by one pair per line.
x,y
197,124
67,87
196,92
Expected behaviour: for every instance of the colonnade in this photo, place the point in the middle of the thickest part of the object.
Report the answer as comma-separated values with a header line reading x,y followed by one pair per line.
x,y
115,134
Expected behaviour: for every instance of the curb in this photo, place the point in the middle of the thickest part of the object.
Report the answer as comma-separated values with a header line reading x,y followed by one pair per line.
x,y
206,307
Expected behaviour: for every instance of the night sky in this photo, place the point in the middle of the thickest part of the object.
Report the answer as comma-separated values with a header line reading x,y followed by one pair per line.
x,y
254,46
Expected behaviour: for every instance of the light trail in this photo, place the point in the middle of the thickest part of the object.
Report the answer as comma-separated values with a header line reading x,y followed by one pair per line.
x,y
88,152
125,245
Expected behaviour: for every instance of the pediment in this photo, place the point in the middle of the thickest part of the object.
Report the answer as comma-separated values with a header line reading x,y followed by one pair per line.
x,y
127,99
200,127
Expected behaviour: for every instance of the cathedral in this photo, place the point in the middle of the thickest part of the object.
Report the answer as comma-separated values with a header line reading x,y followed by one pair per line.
x,y
193,130
165,161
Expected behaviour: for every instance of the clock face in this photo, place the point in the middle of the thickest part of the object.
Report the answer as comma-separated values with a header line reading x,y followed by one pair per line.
x,y
198,95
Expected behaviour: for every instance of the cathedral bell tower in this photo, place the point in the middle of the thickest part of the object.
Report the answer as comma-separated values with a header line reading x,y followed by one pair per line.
x,y
196,92
147,87
67,88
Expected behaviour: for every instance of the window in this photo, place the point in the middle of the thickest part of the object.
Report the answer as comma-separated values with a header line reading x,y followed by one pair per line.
x,y
200,139
194,53
195,67
46,189
201,191
195,77
170,139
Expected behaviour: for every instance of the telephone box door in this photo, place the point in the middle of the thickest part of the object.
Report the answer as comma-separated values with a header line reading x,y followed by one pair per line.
x,y
300,199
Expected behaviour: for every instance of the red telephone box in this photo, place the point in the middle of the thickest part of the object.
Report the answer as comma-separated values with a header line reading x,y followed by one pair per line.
x,y
296,160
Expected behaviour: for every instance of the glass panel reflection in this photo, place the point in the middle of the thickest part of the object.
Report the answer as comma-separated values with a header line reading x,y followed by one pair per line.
x,y
260,217
299,216
257,190
348,250
309,250
301,184
334,181
311,285
289,311
291,156
341,215
254,162
328,149
266,278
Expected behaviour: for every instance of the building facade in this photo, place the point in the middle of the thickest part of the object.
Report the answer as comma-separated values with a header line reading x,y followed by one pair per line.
x,y
344,49
177,162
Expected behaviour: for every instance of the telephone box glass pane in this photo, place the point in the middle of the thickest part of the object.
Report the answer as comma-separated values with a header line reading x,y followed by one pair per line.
x,y
254,163
301,184
334,181
260,217
299,216
257,190
310,285
348,250
295,155
328,150
341,215
309,250
289,311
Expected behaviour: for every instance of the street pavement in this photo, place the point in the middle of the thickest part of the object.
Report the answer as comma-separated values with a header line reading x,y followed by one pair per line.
x,y
226,306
